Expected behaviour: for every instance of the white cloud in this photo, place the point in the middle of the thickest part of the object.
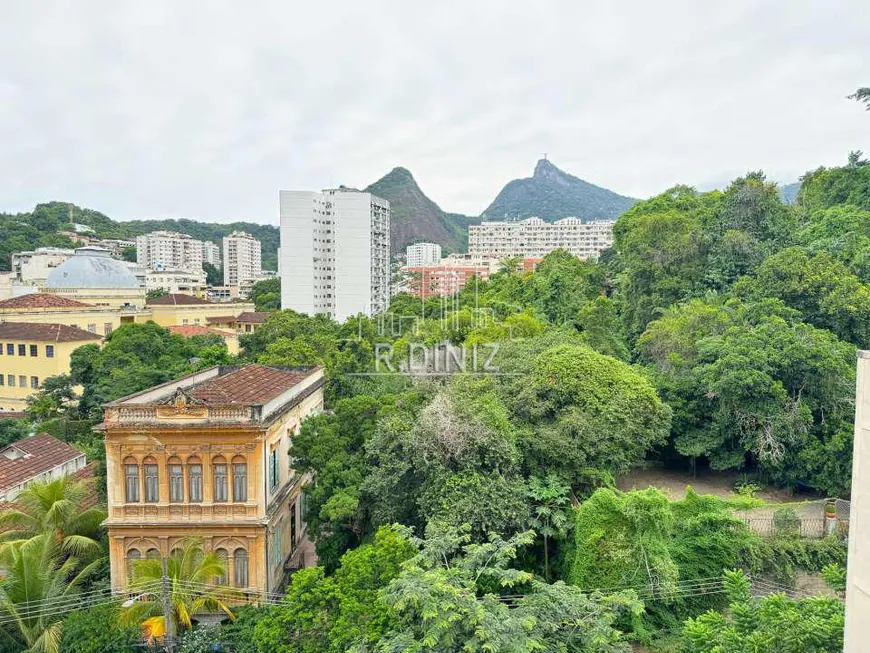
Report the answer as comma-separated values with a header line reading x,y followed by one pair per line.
x,y
205,110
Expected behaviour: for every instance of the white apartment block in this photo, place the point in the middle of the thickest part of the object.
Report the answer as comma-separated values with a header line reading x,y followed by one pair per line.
x,y
32,267
175,281
211,253
242,258
335,252
420,254
169,250
534,238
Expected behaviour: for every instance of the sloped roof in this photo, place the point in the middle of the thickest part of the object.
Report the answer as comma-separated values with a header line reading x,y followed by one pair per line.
x,y
189,331
44,332
42,300
92,267
251,385
176,299
41,453
253,317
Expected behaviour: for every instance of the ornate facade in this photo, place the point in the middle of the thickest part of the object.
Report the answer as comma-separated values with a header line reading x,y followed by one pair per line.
x,y
207,456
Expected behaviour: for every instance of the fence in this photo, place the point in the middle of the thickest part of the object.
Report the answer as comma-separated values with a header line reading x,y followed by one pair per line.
x,y
803,520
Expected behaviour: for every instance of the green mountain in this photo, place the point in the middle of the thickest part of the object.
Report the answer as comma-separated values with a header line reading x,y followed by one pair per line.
x,y
41,227
552,194
415,217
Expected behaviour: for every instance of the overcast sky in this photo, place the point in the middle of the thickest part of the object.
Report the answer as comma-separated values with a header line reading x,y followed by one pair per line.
x,y
206,109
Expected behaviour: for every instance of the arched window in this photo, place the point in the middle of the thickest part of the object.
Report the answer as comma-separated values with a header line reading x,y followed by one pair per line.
x,y
133,555
176,480
240,561
240,479
152,486
223,557
219,470
152,554
131,479
194,479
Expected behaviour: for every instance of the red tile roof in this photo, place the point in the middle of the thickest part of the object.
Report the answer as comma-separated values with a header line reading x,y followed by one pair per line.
x,y
248,385
176,299
253,317
189,331
41,300
41,452
44,332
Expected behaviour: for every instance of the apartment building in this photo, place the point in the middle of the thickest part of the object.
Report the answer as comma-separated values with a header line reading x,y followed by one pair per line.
x,y
32,268
207,455
420,254
169,249
211,253
441,280
335,252
30,353
176,281
242,259
535,238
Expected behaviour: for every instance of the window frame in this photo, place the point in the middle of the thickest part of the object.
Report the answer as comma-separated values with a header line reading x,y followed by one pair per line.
x,y
132,490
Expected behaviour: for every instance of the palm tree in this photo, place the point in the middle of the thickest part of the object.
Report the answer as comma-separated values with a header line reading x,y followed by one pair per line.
x,y
38,583
190,572
55,508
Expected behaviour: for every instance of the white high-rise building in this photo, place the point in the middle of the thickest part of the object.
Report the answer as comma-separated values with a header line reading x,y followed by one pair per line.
x,y
242,258
422,254
169,250
335,252
211,253
533,238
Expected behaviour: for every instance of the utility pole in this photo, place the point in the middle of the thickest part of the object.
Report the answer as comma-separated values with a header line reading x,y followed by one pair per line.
x,y
169,634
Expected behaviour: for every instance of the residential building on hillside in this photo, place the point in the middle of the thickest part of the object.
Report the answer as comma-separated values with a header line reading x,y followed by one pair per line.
x,y
242,259
207,456
211,253
176,281
420,254
169,249
31,353
37,458
33,267
94,277
441,280
115,246
534,237
335,252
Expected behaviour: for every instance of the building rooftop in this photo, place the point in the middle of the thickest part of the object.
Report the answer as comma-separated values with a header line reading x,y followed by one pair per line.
x,y
249,385
220,318
44,332
92,267
42,300
176,299
30,457
253,317
189,331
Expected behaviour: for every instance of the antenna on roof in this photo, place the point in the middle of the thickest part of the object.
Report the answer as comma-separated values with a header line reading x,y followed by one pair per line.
x,y
545,156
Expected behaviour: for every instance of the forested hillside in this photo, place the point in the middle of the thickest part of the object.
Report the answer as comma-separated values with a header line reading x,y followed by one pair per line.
x,y
40,227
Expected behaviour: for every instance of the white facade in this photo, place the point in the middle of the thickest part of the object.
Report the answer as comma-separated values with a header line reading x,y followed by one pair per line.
x,y
33,267
211,253
175,281
242,258
533,237
857,634
420,254
169,250
335,252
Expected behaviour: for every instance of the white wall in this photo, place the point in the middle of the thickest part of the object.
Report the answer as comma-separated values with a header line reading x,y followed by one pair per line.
x,y
353,246
858,566
297,209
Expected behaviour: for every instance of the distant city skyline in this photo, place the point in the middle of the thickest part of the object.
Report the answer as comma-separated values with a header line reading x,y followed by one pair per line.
x,y
165,110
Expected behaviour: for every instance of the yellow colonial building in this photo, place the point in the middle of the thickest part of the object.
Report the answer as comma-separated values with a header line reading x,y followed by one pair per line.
x,y
30,353
47,308
186,310
207,456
